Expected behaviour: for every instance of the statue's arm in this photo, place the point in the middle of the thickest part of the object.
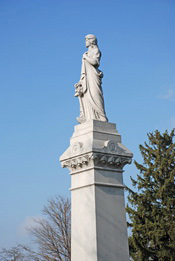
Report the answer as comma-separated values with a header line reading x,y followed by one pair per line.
x,y
90,60
94,60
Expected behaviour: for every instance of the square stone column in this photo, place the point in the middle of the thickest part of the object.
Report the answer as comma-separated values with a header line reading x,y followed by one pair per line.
x,y
96,158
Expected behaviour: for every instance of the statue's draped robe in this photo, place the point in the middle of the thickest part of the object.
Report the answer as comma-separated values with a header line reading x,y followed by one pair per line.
x,y
92,102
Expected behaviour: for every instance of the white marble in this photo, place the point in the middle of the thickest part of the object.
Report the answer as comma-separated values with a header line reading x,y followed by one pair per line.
x,y
89,89
95,158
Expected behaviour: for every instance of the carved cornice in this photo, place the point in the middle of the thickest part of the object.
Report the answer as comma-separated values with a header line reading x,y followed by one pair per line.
x,y
96,159
109,155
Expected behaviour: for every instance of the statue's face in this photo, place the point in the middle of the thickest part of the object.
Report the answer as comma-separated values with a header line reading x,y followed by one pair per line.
x,y
88,43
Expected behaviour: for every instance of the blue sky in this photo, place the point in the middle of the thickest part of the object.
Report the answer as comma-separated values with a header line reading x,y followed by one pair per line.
x,y
41,45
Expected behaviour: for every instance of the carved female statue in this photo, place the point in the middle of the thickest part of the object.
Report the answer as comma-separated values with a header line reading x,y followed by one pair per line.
x,y
89,89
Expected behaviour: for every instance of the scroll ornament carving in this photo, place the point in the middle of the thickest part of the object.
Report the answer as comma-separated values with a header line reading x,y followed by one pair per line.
x,y
77,148
112,147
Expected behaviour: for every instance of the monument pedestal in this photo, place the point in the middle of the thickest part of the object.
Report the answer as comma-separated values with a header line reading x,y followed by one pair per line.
x,y
96,158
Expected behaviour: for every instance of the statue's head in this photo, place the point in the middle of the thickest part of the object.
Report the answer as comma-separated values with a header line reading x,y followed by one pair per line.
x,y
90,40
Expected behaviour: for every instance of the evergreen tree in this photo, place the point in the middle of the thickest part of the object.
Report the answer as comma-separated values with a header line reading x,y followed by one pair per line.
x,y
152,207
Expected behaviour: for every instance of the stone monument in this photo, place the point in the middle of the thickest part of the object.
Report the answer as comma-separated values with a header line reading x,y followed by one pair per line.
x,y
95,158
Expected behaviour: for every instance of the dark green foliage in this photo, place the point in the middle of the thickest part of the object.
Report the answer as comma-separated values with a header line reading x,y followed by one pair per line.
x,y
152,208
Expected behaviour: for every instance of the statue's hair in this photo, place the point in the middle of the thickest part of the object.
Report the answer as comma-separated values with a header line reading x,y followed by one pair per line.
x,y
92,38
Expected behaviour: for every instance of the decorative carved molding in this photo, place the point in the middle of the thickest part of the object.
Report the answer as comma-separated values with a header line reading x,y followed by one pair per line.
x,y
111,146
77,148
96,159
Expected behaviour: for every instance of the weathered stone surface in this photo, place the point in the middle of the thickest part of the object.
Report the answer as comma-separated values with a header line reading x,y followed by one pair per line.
x,y
95,158
95,143
89,89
